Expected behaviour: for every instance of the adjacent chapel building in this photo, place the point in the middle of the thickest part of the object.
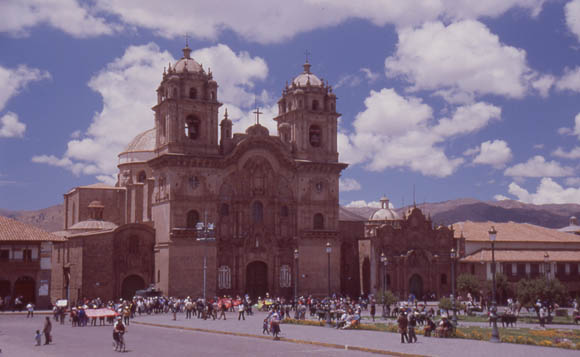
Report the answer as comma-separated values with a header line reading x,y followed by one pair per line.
x,y
197,205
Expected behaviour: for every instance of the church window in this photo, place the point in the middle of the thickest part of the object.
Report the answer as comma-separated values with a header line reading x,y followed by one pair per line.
x,y
162,126
285,276
158,276
315,105
133,244
300,103
192,218
443,279
142,177
284,211
258,212
192,125
192,93
224,210
174,92
224,277
212,95
315,136
318,221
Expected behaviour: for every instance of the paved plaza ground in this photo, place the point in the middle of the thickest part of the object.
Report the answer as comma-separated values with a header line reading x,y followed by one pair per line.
x,y
159,335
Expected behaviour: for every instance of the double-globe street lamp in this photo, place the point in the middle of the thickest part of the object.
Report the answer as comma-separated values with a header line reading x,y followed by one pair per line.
x,y
547,266
493,311
205,232
328,251
384,260
296,255
453,256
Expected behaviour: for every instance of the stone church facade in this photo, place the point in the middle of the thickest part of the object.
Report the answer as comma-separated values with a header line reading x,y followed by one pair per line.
x,y
243,204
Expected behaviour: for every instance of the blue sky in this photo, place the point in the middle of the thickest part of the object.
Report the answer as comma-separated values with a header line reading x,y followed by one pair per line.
x,y
458,98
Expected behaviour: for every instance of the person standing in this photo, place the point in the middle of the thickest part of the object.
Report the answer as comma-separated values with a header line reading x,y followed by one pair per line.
x,y
47,330
38,338
241,311
30,309
373,309
223,309
412,322
402,323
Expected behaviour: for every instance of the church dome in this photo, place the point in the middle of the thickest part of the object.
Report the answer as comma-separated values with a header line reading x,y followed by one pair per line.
x,y
142,142
385,213
92,225
186,63
307,78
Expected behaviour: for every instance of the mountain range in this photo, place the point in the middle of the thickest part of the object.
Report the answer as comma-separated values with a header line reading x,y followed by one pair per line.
x,y
549,215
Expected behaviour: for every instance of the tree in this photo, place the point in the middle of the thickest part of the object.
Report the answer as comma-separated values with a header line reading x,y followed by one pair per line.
x,y
389,298
548,291
468,283
502,288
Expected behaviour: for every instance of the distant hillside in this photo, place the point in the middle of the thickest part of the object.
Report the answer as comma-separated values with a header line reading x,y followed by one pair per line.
x,y
448,212
50,219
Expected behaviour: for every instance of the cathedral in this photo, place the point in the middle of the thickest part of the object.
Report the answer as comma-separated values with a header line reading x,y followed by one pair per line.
x,y
199,210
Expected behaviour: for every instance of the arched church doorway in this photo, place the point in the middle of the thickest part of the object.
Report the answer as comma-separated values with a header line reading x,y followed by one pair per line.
x,y
366,278
4,288
131,284
25,286
416,286
257,279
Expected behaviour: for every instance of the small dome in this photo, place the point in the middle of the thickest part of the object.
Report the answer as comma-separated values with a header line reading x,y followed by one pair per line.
x,y
142,142
186,63
385,213
96,204
92,225
307,78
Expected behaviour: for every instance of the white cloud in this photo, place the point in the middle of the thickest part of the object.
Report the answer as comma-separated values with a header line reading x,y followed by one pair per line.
x,y
10,127
66,15
353,80
400,132
548,191
127,86
572,10
572,131
572,154
495,153
12,81
572,181
370,75
363,203
277,20
543,84
348,184
538,146
570,80
461,61
501,198
539,167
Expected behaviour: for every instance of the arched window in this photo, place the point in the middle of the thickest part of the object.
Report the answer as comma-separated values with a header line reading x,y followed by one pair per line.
x,y
224,277
284,211
142,177
162,125
285,276
212,96
315,105
443,279
192,93
192,218
258,212
174,92
192,125
318,221
315,136
224,210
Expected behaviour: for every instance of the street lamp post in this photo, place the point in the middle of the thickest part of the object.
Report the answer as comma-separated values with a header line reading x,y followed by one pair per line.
x,y
493,312
328,250
205,233
296,254
453,256
547,266
384,261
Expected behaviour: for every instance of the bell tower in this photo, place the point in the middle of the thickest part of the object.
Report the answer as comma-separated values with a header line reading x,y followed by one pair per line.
x,y
186,114
307,117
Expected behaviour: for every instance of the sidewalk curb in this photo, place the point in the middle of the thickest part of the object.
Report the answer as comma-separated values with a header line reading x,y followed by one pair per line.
x,y
292,340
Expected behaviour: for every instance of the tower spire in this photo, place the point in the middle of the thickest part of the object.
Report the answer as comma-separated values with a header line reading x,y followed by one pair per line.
x,y
186,49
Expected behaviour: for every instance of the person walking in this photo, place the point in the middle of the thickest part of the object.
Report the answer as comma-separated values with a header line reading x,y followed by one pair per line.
x,y
373,309
411,324
223,309
402,323
47,330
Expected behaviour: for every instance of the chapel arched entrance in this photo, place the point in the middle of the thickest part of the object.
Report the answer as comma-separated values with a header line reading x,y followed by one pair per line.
x,y
4,288
131,284
25,286
257,279
416,286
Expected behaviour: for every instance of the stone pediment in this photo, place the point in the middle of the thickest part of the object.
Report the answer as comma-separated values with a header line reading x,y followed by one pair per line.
x,y
272,144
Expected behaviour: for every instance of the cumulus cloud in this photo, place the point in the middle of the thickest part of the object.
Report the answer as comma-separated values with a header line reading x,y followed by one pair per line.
x,y
127,87
400,132
572,11
570,80
363,203
572,154
461,61
11,127
13,81
66,15
348,184
495,153
572,181
539,167
277,20
501,198
548,191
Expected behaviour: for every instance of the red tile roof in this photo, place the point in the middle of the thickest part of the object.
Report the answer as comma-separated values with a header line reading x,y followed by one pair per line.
x,y
528,256
12,230
512,232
